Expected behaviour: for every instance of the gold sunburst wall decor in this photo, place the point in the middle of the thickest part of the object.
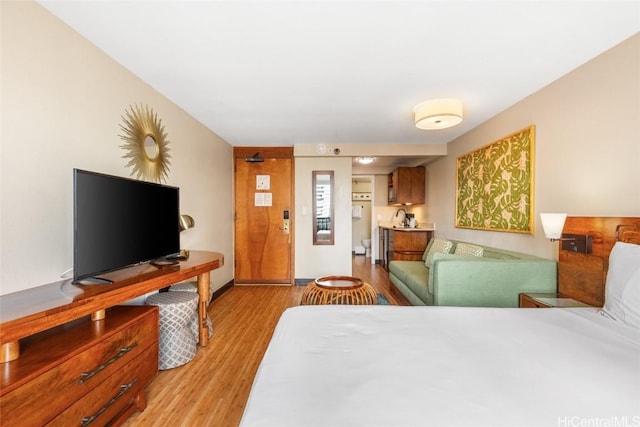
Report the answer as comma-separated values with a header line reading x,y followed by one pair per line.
x,y
146,144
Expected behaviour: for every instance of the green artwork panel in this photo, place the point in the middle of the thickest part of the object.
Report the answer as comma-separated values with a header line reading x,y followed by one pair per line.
x,y
494,185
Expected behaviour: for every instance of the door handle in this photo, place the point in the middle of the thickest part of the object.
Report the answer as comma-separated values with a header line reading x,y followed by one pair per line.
x,y
285,222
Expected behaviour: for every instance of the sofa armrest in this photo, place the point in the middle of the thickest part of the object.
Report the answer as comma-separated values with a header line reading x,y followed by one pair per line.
x,y
485,282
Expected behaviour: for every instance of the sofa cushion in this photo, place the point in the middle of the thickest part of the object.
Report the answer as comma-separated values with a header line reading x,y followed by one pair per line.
x,y
414,275
468,249
441,256
437,246
427,249
499,254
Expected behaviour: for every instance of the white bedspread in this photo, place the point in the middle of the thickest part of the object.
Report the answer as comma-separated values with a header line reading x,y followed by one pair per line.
x,y
447,366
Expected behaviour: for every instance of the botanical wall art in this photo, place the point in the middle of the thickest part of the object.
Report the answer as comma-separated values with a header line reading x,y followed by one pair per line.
x,y
494,185
146,144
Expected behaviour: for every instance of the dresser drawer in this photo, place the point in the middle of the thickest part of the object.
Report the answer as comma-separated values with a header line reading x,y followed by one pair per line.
x,y
96,351
113,395
407,256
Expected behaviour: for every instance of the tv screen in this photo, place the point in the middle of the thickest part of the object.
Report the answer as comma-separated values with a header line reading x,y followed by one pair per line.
x,y
119,222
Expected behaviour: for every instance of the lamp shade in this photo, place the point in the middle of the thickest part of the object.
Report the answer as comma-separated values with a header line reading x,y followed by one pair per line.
x,y
438,114
552,224
186,221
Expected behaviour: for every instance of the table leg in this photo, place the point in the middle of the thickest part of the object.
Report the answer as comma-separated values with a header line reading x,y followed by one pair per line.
x,y
203,291
98,315
9,351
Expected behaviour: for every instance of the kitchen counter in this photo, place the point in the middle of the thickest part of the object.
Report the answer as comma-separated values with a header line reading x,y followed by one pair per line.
x,y
403,243
427,226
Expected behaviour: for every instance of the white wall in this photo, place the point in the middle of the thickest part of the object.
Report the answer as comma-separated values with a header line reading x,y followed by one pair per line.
x,y
62,100
587,155
311,260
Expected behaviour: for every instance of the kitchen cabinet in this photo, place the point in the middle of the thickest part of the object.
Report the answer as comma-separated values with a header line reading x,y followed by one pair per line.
x,y
407,186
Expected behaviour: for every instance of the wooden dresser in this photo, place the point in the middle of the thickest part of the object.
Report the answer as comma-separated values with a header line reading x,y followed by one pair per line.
x,y
84,372
70,355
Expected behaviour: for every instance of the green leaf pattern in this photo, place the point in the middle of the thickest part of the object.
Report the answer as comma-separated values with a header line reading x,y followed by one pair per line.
x,y
495,185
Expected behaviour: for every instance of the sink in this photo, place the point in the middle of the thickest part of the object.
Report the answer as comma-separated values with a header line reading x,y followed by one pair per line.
x,y
429,226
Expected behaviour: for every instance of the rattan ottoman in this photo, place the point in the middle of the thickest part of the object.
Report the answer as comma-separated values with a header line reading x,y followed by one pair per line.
x,y
338,290
177,343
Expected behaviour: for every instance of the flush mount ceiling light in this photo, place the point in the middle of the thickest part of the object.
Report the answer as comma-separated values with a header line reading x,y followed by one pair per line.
x,y
438,114
365,160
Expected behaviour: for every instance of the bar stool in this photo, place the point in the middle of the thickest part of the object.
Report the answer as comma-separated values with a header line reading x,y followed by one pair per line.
x,y
193,325
177,343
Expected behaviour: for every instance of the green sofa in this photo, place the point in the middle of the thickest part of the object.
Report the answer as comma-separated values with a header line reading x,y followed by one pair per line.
x,y
492,280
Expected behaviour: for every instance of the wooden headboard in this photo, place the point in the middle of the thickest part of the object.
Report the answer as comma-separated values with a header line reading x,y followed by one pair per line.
x,y
582,276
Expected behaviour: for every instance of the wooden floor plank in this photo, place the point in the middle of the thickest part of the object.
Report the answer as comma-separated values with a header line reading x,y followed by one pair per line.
x,y
212,390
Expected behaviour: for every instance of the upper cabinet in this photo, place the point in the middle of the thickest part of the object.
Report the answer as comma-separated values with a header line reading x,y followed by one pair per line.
x,y
407,186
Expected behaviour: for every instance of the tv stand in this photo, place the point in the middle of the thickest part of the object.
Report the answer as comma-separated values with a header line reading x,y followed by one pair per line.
x,y
86,357
28,312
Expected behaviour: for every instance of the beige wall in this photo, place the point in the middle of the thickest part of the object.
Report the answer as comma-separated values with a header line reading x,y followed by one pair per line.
x,y
587,159
322,260
62,100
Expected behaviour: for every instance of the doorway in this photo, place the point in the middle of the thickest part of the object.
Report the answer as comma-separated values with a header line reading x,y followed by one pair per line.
x,y
362,197
263,215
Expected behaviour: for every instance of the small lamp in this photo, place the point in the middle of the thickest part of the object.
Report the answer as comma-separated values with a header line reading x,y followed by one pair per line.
x,y
186,222
552,224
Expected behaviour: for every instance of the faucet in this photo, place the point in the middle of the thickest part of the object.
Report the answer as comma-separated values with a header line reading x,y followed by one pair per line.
x,y
404,215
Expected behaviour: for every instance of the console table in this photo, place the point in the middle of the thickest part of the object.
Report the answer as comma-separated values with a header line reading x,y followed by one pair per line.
x,y
85,359
34,310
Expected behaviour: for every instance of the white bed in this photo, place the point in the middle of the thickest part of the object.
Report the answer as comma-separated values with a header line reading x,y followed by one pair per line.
x,y
449,366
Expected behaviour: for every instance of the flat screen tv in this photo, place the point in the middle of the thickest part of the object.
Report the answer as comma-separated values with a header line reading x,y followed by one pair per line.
x,y
119,222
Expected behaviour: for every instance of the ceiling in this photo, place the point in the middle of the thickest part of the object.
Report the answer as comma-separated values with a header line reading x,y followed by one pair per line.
x,y
280,73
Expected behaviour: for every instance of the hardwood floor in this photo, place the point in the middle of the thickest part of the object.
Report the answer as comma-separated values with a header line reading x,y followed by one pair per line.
x,y
213,389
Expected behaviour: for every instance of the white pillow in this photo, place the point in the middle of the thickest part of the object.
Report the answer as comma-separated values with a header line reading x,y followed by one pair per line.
x,y
468,249
622,291
438,246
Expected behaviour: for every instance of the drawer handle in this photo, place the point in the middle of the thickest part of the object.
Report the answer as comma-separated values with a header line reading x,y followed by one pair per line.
x,y
124,350
123,389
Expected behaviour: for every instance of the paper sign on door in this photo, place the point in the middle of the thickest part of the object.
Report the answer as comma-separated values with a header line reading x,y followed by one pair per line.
x,y
263,199
263,182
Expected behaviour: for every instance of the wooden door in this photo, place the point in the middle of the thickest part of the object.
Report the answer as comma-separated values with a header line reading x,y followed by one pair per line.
x,y
263,200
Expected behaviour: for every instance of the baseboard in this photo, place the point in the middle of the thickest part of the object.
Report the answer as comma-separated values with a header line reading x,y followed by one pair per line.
x,y
222,290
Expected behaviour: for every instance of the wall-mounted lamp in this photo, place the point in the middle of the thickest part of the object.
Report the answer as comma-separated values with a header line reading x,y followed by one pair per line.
x,y
186,221
553,223
438,114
